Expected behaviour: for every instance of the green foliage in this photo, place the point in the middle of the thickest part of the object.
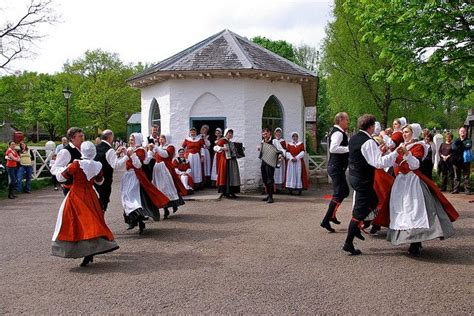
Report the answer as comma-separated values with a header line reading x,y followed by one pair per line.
x,y
280,47
429,44
358,80
103,95
100,96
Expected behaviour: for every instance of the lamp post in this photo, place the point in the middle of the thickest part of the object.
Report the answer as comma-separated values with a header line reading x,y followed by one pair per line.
x,y
67,94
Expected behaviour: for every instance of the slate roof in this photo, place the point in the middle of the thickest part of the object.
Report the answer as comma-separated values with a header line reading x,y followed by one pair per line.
x,y
225,51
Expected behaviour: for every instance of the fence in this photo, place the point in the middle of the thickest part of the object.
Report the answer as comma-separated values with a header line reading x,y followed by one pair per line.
x,y
317,165
42,156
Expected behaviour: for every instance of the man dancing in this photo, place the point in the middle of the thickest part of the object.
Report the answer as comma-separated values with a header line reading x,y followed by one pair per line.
x,y
337,165
364,157
109,157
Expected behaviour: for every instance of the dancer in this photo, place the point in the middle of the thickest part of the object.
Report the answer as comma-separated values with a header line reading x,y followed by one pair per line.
x,y
337,165
68,154
80,227
296,175
193,145
218,134
271,153
228,176
418,209
162,177
154,137
183,170
280,173
364,157
109,158
140,198
206,155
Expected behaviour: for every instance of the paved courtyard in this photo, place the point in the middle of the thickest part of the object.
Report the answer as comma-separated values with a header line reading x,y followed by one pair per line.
x,y
232,256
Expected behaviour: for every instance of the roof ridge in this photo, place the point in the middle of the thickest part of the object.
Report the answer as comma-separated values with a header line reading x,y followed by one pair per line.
x,y
178,56
240,52
276,55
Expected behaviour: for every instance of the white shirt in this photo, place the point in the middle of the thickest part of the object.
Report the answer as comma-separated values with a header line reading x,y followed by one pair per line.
x,y
62,160
372,154
113,160
336,140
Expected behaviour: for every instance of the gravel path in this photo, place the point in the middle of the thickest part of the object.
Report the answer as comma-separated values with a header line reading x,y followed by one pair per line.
x,y
232,256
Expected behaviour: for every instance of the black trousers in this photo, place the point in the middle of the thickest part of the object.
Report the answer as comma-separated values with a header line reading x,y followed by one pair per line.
x,y
462,172
104,191
268,173
447,174
340,187
366,198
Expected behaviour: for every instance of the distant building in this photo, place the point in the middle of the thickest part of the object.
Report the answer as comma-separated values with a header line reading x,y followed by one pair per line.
x,y
134,124
229,82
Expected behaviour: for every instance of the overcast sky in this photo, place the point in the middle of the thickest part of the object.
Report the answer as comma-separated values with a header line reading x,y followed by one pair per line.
x,y
150,31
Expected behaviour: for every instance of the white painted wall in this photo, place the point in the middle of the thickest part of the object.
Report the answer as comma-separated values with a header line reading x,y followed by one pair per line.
x,y
241,101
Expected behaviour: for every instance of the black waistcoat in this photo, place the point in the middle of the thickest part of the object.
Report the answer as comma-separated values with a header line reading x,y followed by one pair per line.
x,y
75,154
339,161
107,170
358,166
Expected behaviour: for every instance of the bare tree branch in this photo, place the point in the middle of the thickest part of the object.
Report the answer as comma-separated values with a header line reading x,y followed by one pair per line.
x,y
18,36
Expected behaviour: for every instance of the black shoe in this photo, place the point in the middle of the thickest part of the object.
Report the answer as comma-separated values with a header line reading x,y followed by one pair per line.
x,y
350,248
141,227
11,196
415,249
328,227
455,192
167,213
266,199
335,221
270,199
87,260
299,192
374,229
233,196
175,209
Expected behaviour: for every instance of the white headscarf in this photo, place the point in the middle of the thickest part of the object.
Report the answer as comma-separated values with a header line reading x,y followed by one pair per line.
x,y
228,130
378,128
403,121
138,139
278,129
295,133
416,130
90,167
219,129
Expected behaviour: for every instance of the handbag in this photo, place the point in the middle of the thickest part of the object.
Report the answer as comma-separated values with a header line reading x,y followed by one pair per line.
x,y
467,156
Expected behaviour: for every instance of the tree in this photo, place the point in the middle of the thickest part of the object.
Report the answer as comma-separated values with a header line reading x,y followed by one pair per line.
x,y
280,47
430,44
20,34
351,65
307,57
101,91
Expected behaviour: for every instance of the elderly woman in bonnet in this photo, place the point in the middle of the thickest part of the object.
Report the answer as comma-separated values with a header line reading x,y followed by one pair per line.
x,y
80,227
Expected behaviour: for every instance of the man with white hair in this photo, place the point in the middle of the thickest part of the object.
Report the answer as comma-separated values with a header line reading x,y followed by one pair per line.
x,y
110,159
63,144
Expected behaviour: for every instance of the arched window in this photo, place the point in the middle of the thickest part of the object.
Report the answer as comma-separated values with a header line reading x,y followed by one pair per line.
x,y
272,114
155,117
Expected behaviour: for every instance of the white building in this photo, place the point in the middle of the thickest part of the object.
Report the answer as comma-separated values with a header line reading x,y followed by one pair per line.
x,y
229,82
